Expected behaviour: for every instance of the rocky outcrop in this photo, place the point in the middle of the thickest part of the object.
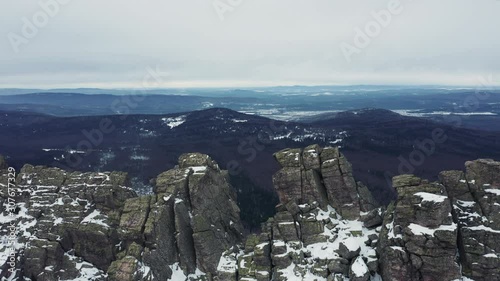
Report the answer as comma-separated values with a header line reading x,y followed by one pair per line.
x,y
322,175
184,227
327,226
419,237
65,222
475,196
316,232
451,224
92,226
193,219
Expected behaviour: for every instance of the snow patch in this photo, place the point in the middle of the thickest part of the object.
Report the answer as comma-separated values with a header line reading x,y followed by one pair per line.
x,y
199,169
431,197
422,230
359,268
92,218
493,191
173,122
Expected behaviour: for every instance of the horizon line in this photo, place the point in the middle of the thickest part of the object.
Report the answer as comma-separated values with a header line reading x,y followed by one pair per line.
x,y
457,86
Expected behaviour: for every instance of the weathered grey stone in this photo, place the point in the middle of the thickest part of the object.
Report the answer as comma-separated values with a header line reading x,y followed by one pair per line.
x,y
133,219
320,176
372,218
347,252
340,185
289,157
93,222
366,200
184,237
339,265
310,157
159,234
288,184
127,269
190,220
476,207
419,236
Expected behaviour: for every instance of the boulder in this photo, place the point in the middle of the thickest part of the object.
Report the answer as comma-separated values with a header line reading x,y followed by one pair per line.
x,y
349,249
372,219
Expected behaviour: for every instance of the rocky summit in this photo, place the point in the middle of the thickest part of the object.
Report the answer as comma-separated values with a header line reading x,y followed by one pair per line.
x,y
327,226
446,230
320,228
92,226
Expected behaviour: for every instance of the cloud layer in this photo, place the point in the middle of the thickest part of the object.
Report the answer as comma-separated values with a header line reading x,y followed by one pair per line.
x,y
111,43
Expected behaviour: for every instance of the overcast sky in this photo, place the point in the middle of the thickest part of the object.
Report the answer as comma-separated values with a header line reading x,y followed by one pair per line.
x,y
111,43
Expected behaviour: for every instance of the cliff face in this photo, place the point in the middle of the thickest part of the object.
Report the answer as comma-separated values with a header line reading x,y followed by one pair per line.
x,y
452,224
320,228
65,222
327,226
92,226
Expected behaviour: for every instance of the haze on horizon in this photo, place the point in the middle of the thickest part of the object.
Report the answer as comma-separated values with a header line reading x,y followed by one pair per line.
x,y
113,43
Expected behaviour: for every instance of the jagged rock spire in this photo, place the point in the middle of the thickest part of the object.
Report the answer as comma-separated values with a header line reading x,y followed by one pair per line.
x,y
321,175
193,218
93,226
452,224
315,233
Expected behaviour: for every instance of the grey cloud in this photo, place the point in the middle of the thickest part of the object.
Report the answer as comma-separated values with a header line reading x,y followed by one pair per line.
x,y
110,43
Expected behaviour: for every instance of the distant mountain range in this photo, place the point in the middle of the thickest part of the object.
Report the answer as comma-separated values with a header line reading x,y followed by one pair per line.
x,y
477,108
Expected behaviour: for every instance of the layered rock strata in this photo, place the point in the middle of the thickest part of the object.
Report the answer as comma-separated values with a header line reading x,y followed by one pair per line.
x,y
447,230
92,226
318,231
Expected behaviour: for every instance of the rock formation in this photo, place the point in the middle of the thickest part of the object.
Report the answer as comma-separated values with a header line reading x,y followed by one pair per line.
x,y
446,230
92,226
475,196
317,232
66,222
419,237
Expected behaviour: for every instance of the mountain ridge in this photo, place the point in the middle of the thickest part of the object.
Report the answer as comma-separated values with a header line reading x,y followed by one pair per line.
x,y
237,145
327,225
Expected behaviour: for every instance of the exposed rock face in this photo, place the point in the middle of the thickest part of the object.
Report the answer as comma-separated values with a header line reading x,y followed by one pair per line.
x,y
448,225
475,195
186,226
92,226
445,230
66,221
315,233
321,175
418,239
